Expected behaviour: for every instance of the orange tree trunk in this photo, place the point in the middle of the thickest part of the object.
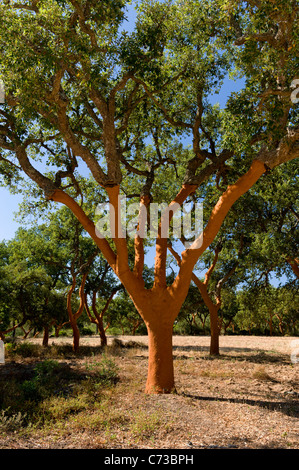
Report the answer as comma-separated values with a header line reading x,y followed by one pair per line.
x,y
158,309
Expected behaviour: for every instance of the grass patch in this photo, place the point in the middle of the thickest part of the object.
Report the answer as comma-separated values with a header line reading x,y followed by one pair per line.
x,y
260,374
144,425
11,422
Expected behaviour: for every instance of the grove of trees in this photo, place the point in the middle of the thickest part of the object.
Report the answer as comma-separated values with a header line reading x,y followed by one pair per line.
x,y
93,112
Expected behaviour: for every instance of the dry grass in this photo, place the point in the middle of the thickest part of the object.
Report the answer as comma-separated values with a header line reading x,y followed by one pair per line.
x,y
245,398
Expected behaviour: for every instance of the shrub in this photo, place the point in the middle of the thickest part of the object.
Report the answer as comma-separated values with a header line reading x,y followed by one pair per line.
x,y
24,349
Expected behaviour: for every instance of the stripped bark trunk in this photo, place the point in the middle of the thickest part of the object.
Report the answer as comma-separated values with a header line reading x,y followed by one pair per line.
x,y
294,263
213,308
161,298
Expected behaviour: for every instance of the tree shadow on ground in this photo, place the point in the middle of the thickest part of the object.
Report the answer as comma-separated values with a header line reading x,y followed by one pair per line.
x,y
287,407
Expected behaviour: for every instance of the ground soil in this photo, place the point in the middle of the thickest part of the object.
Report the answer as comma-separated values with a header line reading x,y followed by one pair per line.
x,y
246,398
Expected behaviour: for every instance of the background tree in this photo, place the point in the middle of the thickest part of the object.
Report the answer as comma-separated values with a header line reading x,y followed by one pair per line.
x,y
27,297
211,286
194,314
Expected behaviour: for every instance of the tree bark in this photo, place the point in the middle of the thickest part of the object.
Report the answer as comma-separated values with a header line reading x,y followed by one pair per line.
x,y
76,335
214,320
270,322
160,305
99,319
73,317
213,308
102,332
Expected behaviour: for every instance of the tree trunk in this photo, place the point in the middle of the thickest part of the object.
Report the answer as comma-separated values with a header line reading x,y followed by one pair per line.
x,y
73,317
46,336
102,331
160,363
76,335
213,311
98,317
271,324
214,344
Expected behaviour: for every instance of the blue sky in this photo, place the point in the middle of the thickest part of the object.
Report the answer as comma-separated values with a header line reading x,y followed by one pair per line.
x,y
9,205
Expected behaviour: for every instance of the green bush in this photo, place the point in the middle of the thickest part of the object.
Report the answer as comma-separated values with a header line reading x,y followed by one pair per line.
x,y
43,382
10,423
24,349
